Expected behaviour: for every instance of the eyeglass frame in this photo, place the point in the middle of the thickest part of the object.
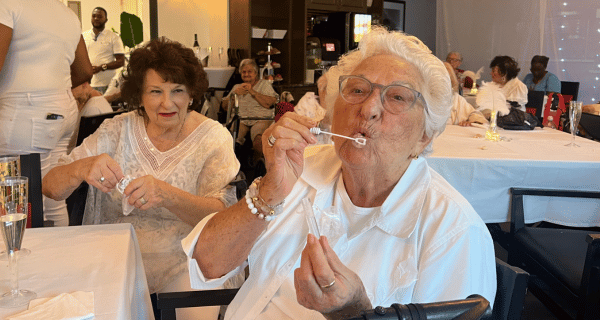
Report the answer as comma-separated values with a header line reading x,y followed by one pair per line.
x,y
382,90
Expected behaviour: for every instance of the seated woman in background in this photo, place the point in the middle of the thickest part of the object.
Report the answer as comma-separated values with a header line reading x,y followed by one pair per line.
x,y
463,113
400,228
180,161
504,73
539,79
256,98
455,60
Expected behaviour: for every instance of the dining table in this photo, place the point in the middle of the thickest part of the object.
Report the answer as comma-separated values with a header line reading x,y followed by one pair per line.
x,y
103,259
483,171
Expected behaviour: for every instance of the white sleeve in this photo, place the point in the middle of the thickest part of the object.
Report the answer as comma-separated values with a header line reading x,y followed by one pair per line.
x,y
118,45
197,279
8,12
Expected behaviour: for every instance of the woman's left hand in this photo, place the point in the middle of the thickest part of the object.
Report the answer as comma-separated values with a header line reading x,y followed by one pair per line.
x,y
147,192
323,283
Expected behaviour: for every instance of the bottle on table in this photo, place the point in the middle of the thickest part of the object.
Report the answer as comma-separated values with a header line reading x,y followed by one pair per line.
x,y
551,123
270,70
196,46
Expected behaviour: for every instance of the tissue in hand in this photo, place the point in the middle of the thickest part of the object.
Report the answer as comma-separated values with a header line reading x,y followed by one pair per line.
x,y
121,185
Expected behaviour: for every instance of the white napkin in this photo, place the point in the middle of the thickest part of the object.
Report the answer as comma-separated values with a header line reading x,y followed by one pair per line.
x,y
75,306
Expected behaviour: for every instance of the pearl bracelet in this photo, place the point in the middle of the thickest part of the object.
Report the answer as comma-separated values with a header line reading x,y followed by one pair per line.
x,y
258,206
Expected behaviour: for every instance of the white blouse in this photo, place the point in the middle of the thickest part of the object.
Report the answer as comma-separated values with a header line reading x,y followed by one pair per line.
x,y
202,164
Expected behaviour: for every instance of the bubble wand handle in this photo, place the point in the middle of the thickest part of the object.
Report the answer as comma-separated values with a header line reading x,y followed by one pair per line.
x,y
361,141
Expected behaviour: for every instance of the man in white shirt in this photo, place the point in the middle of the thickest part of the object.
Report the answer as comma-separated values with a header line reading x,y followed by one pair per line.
x,y
105,49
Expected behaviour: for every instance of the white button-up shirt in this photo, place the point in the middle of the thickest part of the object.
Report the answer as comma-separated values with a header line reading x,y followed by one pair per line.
x,y
102,49
424,244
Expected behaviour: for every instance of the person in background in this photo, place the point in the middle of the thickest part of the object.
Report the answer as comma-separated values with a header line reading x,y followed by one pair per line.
x,y
105,49
256,98
40,61
504,73
539,79
89,103
455,60
172,164
394,228
463,113
113,91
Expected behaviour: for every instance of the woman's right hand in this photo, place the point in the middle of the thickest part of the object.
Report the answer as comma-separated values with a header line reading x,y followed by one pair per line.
x,y
101,171
285,159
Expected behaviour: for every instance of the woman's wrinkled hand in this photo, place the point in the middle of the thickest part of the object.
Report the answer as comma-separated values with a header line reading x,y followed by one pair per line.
x,y
102,172
148,192
243,89
285,158
323,283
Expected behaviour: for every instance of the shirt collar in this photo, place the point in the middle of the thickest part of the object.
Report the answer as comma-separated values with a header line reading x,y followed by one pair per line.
x,y
399,213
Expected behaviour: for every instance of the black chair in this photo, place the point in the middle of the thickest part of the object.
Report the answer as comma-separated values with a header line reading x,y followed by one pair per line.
x,y
89,125
563,263
32,169
590,123
511,291
570,88
535,103
76,201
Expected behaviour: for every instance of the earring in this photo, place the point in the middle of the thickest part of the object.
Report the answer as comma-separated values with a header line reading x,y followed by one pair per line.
x,y
415,157
191,102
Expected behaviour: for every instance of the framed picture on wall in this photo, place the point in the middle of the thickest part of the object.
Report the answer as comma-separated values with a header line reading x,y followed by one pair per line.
x,y
394,12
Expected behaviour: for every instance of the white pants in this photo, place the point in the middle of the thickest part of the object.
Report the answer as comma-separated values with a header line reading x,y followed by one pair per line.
x,y
39,122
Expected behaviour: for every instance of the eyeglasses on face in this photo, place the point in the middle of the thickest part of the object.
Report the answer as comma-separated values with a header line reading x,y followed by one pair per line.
x,y
454,60
395,98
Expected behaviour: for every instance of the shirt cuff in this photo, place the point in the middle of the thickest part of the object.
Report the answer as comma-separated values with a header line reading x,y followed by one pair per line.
x,y
197,279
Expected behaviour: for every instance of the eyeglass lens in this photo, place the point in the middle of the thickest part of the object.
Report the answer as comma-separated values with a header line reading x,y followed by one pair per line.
x,y
395,98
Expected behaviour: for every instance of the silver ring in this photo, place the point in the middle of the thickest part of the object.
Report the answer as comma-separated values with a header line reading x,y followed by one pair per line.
x,y
143,201
328,285
271,140
102,179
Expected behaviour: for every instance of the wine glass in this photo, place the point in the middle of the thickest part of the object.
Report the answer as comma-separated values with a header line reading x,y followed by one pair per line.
x,y
13,228
574,117
13,199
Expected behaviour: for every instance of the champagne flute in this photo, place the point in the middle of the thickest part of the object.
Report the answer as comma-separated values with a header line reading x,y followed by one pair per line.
x,y
574,117
13,199
13,228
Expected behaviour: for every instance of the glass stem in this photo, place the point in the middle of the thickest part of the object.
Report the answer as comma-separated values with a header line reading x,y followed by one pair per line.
x,y
13,259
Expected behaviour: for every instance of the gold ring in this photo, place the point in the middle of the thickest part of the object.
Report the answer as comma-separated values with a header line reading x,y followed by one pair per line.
x,y
328,285
143,201
271,140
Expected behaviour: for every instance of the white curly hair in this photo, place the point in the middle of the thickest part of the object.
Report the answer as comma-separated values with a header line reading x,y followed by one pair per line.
x,y
436,89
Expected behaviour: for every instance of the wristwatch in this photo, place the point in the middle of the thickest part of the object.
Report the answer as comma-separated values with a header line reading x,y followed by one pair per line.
x,y
104,67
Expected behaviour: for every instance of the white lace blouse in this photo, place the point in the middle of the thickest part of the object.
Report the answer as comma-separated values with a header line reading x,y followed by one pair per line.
x,y
202,164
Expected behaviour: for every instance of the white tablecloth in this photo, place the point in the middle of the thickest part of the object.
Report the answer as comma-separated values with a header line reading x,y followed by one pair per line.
x,y
483,171
104,259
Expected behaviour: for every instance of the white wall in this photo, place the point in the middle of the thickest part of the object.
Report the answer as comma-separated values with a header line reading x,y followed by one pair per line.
x,y
179,20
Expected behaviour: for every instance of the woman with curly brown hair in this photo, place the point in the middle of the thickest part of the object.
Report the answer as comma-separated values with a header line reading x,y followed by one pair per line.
x,y
504,73
178,161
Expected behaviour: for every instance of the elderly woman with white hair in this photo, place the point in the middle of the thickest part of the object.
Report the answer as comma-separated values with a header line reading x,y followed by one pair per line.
x,y
393,230
256,98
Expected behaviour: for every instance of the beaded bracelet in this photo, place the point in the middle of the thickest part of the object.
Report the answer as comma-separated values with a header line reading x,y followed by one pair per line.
x,y
258,206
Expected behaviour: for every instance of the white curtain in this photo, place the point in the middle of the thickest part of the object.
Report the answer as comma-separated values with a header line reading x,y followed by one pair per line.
x,y
567,31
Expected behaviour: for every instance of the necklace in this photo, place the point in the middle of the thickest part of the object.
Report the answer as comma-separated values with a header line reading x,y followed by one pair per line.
x,y
178,133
